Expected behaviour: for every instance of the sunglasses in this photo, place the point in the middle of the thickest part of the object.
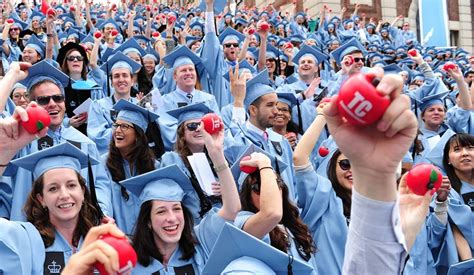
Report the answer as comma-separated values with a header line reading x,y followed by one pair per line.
x,y
358,59
14,29
44,100
228,45
75,57
193,126
344,164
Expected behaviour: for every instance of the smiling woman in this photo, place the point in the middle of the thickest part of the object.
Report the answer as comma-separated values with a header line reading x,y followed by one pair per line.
x,y
59,205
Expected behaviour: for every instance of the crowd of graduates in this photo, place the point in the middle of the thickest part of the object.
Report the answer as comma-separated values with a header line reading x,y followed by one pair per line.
x,y
294,189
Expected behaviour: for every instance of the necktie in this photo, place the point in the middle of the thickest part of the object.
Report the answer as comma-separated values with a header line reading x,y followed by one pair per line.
x,y
265,136
190,97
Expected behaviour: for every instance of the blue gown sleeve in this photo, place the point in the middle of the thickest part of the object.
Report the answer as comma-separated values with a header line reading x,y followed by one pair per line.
x,y
102,183
322,211
99,127
6,194
459,120
99,77
208,230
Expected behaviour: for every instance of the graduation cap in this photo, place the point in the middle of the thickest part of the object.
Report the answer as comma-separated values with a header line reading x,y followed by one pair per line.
x,y
236,251
151,53
310,51
69,46
430,93
106,22
182,55
241,21
188,112
119,60
35,15
218,6
131,45
141,39
43,70
135,114
277,164
435,155
230,34
370,26
190,39
462,268
72,32
287,98
244,67
350,46
165,184
298,38
197,25
85,85
256,87
64,155
36,44
392,69
88,39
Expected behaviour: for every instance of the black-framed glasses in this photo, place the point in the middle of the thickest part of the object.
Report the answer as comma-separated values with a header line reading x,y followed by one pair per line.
x,y
228,45
124,127
14,29
193,126
344,164
358,59
18,96
75,57
44,100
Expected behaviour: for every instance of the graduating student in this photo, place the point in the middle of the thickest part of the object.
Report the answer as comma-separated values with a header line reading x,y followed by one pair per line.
x,y
129,155
46,86
164,238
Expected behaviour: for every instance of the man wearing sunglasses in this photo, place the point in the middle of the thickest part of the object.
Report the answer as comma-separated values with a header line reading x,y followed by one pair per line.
x,y
351,58
45,85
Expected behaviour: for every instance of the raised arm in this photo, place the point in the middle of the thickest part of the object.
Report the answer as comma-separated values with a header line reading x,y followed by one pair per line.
x,y
263,47
230,195
465,100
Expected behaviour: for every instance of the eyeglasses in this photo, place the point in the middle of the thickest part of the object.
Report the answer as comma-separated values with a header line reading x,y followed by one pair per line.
x,y
193,126
228,45
44,100
358,59
18,96
344,164
75,57
124,127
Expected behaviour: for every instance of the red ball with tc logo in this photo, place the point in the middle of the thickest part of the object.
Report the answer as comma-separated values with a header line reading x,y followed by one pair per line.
x,y
212,123
359,102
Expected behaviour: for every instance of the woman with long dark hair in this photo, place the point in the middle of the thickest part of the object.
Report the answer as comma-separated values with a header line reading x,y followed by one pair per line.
x,y
129,155
190,140
165,240
268,212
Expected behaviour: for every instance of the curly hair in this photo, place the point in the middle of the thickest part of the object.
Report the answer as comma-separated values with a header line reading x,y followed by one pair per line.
x,y
65,69
291,216
39,216
143,237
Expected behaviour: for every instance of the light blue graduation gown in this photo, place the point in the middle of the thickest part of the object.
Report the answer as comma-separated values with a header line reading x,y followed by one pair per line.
x,y
242,218
460,120
62,246
21,248
322,211
22,179
206,233
99,122
276,145
99,77
124,212
15,51
424,138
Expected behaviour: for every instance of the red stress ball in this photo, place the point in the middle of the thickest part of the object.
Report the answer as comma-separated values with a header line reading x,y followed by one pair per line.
x,y
114,33
247,169
449,66
251,31
51,12
413,52
126,253
323,151
155,34
359,102
10,21
212,123
424,177
264,26
38,119
97,34
349,61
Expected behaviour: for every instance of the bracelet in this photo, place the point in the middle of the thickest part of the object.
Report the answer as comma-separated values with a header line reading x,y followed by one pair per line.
x,y
4,165
221,167
266,167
